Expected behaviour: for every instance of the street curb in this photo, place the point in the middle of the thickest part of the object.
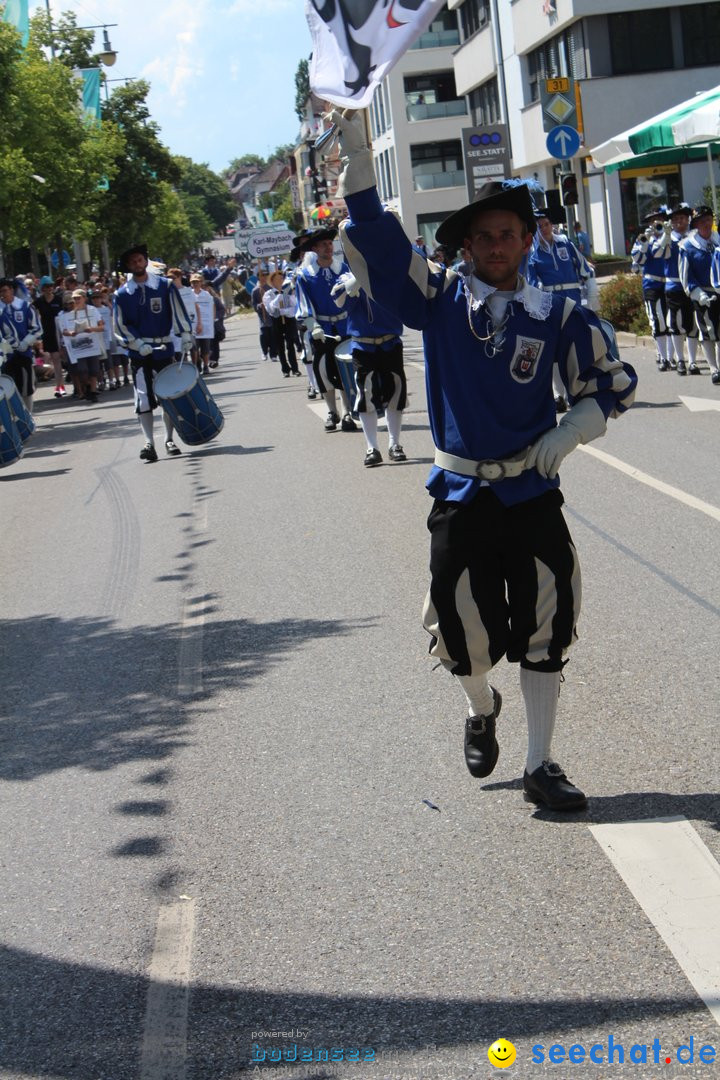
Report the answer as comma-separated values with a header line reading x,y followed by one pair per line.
x,y
632,340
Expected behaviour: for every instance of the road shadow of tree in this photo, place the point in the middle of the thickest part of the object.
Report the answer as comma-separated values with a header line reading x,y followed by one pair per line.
x,y
75,1021
106,695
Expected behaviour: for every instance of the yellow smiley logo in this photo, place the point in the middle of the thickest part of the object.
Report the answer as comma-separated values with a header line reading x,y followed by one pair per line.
x,y
501,1054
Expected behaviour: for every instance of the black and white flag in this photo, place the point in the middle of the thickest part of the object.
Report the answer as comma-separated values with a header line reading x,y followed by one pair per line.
x,y
357,42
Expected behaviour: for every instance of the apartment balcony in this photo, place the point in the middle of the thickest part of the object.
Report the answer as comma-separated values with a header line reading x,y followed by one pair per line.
x,y
437,110
432,181
531,26
474,61
438,40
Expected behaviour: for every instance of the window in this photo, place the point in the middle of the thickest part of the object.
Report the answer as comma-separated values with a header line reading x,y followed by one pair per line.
x,y
428,225
443,30
640,41
433,96
700,34
562,55
437,165
484,104
474,15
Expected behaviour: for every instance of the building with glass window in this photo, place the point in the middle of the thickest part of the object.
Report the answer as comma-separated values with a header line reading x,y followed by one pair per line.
x,y
416,120
631,60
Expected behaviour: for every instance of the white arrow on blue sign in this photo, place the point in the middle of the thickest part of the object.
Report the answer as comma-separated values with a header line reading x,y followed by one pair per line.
x,y
563,141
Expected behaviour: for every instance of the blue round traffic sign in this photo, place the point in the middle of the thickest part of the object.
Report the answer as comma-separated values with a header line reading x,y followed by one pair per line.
x,y
563,141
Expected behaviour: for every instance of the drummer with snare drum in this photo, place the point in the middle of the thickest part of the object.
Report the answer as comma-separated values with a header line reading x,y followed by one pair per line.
x,y
148,310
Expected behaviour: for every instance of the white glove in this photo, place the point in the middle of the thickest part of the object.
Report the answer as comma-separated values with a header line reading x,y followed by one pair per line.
x,y
287,286
186,339
649,233
358,173
26,342
317,333
667,228
145,349
700,297
584,422
350,284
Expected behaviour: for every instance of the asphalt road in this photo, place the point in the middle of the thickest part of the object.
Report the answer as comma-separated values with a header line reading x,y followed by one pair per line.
x,y
223,732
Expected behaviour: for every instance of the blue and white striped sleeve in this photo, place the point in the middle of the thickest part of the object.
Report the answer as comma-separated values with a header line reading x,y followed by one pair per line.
x,y
124,333
385,264
587,367
180,318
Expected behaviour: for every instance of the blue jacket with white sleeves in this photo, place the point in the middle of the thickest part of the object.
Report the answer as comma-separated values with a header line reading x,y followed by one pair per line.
x,y
483,406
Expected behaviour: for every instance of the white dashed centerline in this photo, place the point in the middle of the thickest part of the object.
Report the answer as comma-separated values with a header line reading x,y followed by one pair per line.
x,y
676,881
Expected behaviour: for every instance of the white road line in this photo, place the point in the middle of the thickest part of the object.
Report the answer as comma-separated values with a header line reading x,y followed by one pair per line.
x,y
659,485
676,881
164,1047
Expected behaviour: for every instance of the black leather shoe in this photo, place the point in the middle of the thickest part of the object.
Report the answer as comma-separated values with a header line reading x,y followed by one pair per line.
x,y
372,458
549,786
481,747
347,423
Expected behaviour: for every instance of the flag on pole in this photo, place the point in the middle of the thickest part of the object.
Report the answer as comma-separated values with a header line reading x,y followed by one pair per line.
x,y
15,12
90,92
357,42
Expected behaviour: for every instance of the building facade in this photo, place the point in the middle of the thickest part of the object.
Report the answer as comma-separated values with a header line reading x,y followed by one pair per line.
x,y
630,62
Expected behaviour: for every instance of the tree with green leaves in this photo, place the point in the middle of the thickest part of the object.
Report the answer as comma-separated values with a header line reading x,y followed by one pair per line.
x,y
141,167
302,88
51,159
213,197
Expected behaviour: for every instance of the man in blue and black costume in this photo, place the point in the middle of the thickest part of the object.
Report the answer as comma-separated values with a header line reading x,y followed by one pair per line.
x,y
148,311
505,578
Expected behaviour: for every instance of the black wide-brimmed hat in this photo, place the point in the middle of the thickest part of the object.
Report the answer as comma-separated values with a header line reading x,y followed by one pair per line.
x,y
496,195
137,249
681,208
701,212
305,240
661,214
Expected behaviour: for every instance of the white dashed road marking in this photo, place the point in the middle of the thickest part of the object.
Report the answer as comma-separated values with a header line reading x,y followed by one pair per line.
x,y
676,881
164,1048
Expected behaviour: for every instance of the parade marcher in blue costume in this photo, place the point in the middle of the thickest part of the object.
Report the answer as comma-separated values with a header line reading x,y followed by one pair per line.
x,y
20,328
148,310
680,311
504,573
697,252
555,265
315,279
377,356
648,259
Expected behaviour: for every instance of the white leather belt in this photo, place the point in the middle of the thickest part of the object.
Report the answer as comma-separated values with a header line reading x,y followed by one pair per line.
x,y
652,277
489,469
330,318
374,340
558,288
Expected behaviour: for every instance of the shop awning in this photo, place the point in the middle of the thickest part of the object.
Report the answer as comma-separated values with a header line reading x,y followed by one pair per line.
x,y
689,131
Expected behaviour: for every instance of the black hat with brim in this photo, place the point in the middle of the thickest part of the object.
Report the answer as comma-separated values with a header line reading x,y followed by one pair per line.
x,y
656,215
305,240
493,196
138,249
701,212
681,208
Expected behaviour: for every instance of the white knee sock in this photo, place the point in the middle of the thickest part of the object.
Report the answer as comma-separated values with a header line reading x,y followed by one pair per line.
x,y
692,348
478,693
169,429
369,423
708,348
540,690
679,345
662,346
393,418
28,403
146,423
330,400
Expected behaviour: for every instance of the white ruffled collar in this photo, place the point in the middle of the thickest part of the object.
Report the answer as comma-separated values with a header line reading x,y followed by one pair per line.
x,y
536,302
310,264
152,282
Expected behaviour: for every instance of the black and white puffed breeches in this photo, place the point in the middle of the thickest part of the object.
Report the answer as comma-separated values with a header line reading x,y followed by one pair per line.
x,y
505,581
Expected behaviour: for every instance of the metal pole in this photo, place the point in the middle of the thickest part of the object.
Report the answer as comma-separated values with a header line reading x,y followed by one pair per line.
x,y
52,36
713,189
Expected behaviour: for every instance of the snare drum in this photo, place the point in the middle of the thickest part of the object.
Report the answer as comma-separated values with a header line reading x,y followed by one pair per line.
x,y
189,404
346,371
11,447
23,420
